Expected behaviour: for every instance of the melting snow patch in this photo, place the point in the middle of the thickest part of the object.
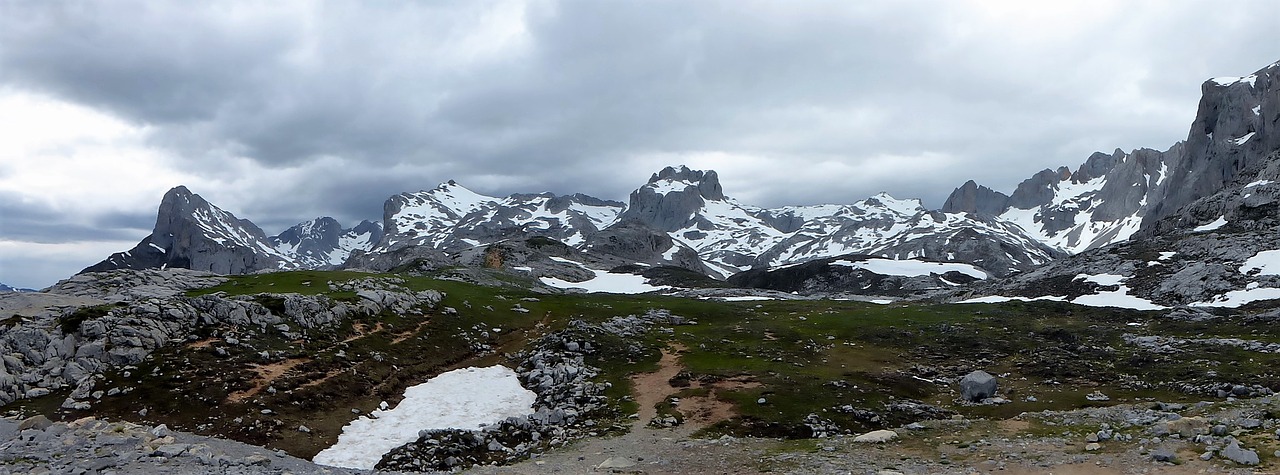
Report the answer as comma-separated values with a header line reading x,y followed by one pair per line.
x,y
1221,221
1265,263
910,268
667,186
1113,298
1164,256
603,282
1244,138
1102,279
1001,299
1236,298
1259,182
745,298
459,399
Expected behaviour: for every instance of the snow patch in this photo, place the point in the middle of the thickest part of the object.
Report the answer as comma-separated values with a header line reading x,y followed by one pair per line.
x,y
1229,80
1243,138
745,298
910,268
459,399
1259,182
1236,298
1220,222
603,281
1264,263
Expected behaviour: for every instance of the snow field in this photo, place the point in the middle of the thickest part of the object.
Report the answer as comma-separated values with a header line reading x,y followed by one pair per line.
x,y
459,399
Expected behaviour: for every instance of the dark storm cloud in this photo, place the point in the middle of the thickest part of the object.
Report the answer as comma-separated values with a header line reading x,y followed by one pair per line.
x,y
592,96
33,222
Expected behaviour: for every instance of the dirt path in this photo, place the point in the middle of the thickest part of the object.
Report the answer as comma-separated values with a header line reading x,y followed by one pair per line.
x,y
267,374
653,388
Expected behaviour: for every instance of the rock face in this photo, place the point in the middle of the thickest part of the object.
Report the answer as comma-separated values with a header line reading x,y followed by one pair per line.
x,y
1113,197
1232,139
191,233
974,198
673,198
978,385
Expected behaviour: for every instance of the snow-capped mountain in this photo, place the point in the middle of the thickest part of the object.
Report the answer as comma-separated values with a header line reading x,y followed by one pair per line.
x,y
1102,202
1210,225
323,242
731,237
7,288
192,233
682,217
451,217
1110,198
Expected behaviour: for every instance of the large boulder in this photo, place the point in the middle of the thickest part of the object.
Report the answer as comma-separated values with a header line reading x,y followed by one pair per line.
x,y
1242,456
977,386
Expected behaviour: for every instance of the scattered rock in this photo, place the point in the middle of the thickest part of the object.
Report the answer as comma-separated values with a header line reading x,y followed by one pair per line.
x,y
876,436
1235,453
612,463
978,385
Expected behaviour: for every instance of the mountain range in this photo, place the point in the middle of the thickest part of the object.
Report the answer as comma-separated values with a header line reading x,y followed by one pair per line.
x,y
683,218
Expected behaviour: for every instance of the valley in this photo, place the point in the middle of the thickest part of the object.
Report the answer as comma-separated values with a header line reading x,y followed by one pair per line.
x,y
777,369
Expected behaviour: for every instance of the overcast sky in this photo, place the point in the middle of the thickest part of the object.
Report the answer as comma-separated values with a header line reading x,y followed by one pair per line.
x,y
284,111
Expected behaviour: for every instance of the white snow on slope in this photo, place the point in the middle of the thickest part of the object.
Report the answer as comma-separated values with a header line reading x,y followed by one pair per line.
x,y
1259,183
1114,298
1236,298
1218,223
603,282
1243,138
1086,234
1002,299
1229,80
1264,263
911,268
459,399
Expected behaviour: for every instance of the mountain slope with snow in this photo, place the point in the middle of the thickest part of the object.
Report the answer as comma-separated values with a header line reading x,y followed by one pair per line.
x,y
731,237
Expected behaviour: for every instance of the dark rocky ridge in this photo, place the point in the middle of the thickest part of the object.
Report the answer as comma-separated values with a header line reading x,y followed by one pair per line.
x,y
191,233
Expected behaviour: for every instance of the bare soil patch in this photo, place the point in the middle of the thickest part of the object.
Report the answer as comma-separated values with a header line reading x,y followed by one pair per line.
x,y
267,374
652,388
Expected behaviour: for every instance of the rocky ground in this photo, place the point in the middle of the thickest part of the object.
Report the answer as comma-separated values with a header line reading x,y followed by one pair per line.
x,y
1123,439
36,446
1235,436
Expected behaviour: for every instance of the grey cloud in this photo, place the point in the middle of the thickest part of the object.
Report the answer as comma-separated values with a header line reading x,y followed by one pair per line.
x,y
597,84
29,222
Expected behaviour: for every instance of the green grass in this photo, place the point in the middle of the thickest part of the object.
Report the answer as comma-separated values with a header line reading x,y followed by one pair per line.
x,y
808,357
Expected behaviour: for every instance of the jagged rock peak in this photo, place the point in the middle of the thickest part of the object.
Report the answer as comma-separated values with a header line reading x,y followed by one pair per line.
x,y
974,198
707,182
1097,165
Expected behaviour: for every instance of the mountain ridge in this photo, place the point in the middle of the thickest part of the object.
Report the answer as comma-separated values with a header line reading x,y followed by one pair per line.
x,y
681,212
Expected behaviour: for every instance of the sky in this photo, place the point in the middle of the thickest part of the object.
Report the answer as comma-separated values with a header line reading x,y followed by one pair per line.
x,y
284,111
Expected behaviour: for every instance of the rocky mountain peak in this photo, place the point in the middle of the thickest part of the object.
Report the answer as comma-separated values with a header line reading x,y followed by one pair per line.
x,y
707,182
194,234
1097,165
974,198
